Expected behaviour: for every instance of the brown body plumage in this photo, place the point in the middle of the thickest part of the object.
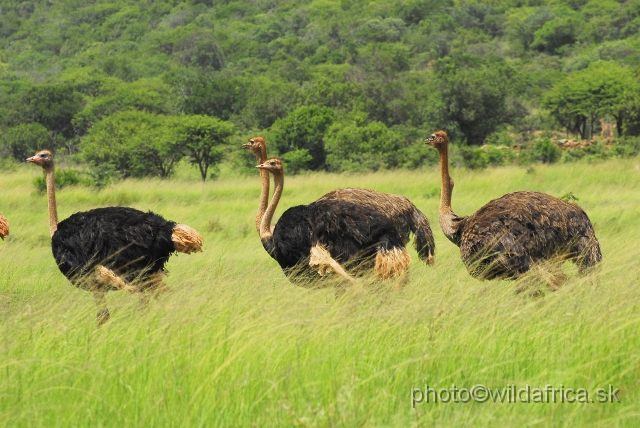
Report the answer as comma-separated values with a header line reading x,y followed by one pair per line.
x,y
4,227
509,235
107,248
359,228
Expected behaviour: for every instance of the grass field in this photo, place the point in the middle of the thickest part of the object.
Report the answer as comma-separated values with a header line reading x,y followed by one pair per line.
x,y
235,344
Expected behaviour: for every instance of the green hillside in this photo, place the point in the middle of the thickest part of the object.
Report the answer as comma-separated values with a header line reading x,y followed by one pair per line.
x,y
335,85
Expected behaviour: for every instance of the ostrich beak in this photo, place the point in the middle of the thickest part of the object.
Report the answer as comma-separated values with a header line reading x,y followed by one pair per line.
x,y
31,159
246,146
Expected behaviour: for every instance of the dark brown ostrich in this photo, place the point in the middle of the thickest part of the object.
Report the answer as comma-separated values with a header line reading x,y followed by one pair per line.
x,y
4,227
108,248
362,229
258,147
507,236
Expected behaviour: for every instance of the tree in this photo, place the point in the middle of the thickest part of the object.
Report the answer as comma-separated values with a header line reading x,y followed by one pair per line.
x,y
583,97
355,145
24,140
53,106
113,95
477,95
134,143
221,98
203,138
302,132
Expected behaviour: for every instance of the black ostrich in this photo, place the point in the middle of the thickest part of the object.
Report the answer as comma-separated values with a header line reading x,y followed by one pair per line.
x,y
108,248
507,236
359,228
4,227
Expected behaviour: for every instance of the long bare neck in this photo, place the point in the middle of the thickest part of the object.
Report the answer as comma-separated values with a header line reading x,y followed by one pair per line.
x,y
264,195
265,225
51,199
449,221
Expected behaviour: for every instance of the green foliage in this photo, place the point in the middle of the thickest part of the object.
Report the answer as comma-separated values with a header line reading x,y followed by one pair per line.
x,y
222,98
136,144
467,67
53,106
63,178
296,160
556,34
24,140
203,139
545,151
475,94
303,132
357,146
624,148
112,95
580,99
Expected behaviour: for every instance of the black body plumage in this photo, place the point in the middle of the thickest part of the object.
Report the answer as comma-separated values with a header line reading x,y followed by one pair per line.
x,y
127,241
505,237
353,225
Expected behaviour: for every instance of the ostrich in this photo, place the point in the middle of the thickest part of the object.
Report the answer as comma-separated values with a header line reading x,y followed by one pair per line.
x,y
106,248
507,236
4,227
360,227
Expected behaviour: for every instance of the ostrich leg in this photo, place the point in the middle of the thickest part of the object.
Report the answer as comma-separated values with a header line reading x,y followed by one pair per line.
x,y
101,303
156,287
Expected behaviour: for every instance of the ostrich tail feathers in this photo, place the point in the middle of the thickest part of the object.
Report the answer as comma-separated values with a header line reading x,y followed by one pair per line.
x,y
424,242
4,227
392,263
186,239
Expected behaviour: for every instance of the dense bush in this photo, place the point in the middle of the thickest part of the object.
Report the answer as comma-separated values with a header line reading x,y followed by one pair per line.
x,y
545,151
24,140
333,85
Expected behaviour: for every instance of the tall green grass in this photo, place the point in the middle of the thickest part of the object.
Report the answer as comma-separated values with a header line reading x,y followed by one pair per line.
x,y
235,344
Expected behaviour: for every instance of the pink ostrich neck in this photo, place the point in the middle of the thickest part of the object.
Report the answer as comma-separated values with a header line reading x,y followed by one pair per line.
x,y
265,225
447,185
446,216
51,199
264,195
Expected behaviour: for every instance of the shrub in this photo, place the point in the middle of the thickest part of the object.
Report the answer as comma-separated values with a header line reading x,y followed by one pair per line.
x,y
296,160
474,158
63,178
545,151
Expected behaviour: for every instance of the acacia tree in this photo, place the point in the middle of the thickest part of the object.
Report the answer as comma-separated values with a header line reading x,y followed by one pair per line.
x,y
203,138
585,96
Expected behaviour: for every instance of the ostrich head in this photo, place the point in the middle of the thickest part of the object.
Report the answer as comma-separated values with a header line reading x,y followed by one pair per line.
x,y
255,145
43,158
273,165
437,140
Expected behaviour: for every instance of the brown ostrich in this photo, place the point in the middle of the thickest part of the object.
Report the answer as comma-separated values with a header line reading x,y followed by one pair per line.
x,y
109,248
258,147
359,228
509,235
4,227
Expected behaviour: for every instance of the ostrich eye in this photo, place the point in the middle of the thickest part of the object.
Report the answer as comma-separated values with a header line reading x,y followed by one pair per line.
x,y
273,164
